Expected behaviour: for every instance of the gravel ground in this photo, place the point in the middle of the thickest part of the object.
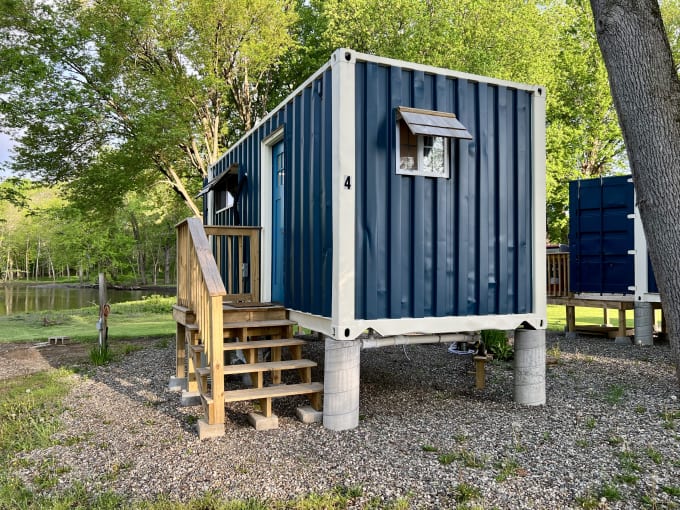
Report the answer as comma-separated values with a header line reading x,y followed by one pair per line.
x,y
609,435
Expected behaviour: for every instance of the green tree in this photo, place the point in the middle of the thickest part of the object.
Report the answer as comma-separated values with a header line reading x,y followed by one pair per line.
x,y
583,134
115,95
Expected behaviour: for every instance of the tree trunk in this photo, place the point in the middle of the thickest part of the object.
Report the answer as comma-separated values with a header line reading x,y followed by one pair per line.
x,y
168,256
141,256
646,91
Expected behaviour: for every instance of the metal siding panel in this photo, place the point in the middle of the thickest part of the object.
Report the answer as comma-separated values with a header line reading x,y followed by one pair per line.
x,y
359,189
314,245
308,197
600,235
396,281
485,196
306,218
513,203
324,282
292,208
418,215
523,131
501,259
467,229
442,102
438,247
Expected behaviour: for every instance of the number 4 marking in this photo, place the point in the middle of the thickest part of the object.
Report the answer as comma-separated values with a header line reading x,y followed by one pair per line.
x,y
348,182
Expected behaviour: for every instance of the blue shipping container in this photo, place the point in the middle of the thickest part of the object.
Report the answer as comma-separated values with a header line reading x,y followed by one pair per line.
x,y
398,197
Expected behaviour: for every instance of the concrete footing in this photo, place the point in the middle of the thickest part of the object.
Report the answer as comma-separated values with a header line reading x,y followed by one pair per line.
x,y
530,366
622,340
190,398
644,323
341,384
307,414
207,431
262,422
177,383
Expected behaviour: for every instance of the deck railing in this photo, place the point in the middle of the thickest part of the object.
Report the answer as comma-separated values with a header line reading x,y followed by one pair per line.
x,y
557,277
237,255
200,288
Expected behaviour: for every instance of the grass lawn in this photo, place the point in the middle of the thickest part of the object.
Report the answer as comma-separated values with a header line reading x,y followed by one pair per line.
x,y
151,317
585,315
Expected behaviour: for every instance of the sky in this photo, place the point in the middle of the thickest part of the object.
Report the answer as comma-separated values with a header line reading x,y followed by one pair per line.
x,y
5,146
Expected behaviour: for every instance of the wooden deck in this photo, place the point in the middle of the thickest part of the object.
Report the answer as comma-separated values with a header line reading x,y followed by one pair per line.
x,y
559,293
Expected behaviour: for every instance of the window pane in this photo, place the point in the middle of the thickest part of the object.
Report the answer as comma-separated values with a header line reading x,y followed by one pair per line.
x,y
408,148
433,155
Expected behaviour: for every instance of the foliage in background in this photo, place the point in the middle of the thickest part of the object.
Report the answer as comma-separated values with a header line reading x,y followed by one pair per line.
x,y
128,102
122,94
497,343
52,238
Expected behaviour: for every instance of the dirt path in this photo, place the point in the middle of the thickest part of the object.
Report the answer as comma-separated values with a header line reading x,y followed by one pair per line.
x,y
22,358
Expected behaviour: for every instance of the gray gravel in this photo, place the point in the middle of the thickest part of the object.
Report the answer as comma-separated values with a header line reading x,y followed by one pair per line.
x,y
611,426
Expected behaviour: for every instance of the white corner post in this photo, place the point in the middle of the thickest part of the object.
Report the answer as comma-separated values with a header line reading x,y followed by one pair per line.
x,y
341,384
538,170
530,366
643,309
342,372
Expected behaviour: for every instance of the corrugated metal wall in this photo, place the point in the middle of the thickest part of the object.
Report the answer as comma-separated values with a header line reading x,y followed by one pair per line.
x,y
308,198
432,247
601,234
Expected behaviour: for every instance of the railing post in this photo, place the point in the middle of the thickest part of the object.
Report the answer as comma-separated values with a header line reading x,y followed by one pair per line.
x,y
216,347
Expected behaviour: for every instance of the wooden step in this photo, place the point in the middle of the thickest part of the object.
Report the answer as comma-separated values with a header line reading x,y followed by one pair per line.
x,y
259,324
281,390
268,366
254,344
182,314
203,371
263,344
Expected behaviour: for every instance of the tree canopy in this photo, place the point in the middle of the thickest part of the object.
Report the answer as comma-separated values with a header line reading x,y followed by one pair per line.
x,y
112,97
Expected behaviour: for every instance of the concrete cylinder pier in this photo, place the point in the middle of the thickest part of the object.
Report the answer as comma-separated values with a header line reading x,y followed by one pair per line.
x,y
530,366
341,384
644,323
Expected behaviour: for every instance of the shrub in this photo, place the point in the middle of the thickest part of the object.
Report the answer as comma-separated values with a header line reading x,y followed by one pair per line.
x,y
100,355
497,343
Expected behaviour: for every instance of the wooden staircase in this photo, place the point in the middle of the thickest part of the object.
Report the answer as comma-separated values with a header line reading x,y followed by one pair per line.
x,y
255,329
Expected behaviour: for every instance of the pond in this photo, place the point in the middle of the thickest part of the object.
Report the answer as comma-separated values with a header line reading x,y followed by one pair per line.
x,y
18,298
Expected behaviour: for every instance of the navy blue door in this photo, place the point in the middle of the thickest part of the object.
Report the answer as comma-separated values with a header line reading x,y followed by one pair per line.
x,y
278,174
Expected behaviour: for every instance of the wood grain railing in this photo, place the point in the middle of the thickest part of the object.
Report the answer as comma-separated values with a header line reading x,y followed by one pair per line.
x,y
200,288
237,255
557,277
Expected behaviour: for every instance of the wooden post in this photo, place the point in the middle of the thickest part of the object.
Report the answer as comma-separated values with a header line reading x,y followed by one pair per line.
x,y
103,314
622,321
571,318
605,316
480,379
215,344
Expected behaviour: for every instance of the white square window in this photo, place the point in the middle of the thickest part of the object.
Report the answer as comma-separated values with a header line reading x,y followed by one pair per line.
x,y
421,154
423,140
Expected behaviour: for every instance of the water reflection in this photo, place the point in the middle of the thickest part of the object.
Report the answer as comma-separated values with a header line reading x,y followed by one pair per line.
x,y
16,299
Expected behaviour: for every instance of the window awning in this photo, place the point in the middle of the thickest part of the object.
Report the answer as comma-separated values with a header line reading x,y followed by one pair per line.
x,y
432,123
232,170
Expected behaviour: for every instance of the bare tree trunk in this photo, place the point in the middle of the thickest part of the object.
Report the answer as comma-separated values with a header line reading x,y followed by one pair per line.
x,y
646,90
168,256
141,256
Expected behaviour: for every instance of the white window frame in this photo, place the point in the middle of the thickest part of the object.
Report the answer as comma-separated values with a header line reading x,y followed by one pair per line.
x,y
420,170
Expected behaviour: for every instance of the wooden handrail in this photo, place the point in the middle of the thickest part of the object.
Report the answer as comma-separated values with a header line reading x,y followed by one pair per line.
x,y
200,288
557,274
